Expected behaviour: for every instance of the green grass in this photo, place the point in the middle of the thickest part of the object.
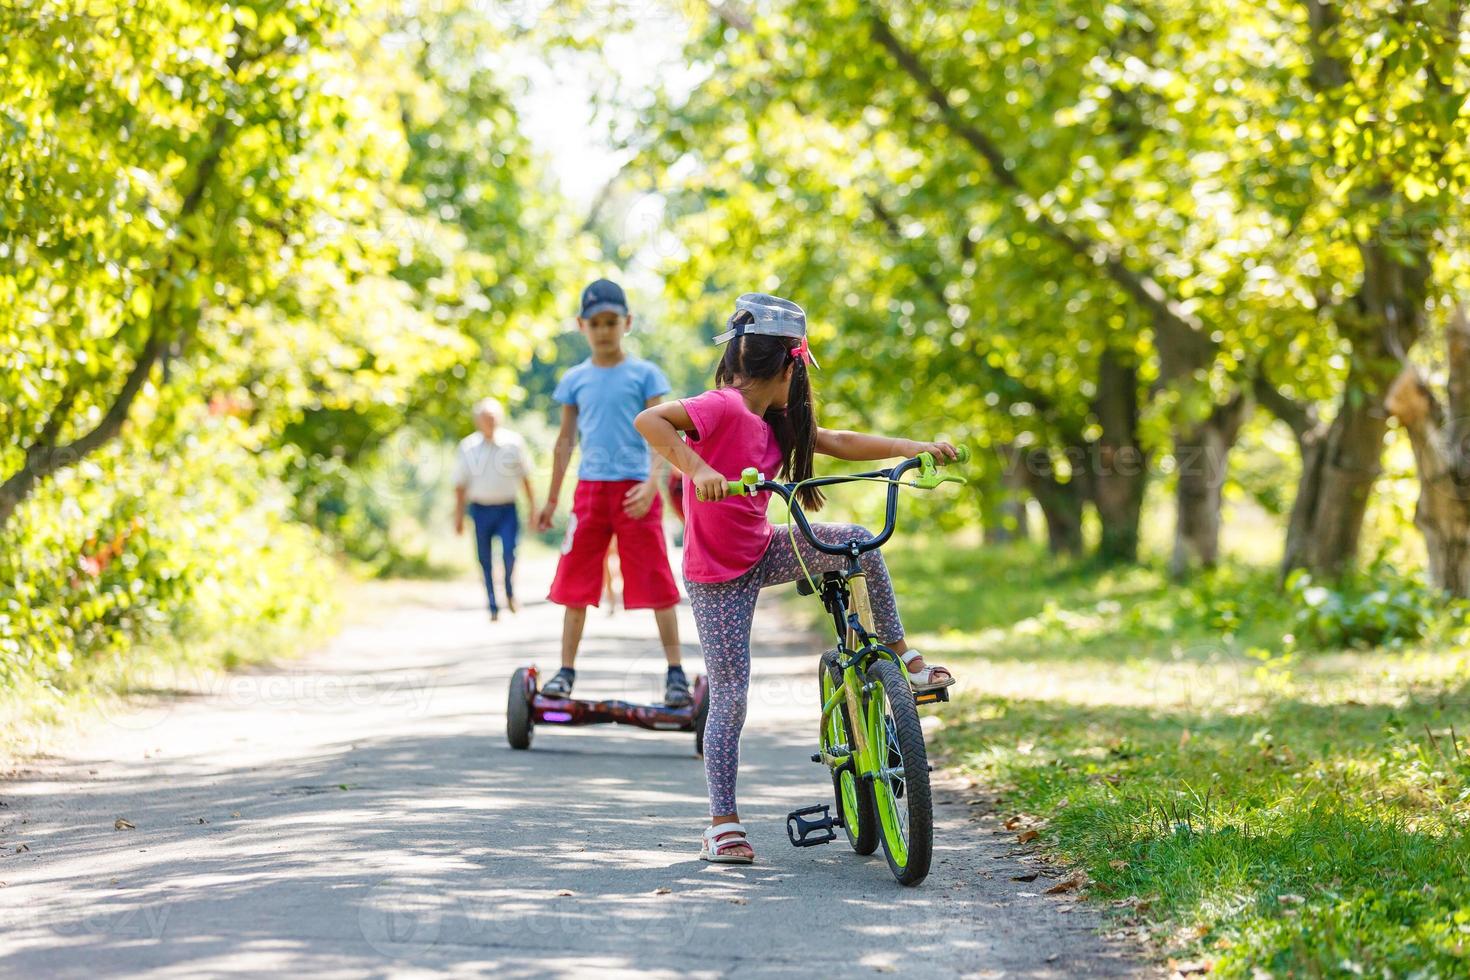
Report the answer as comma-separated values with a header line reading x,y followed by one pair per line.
x,y
1246,799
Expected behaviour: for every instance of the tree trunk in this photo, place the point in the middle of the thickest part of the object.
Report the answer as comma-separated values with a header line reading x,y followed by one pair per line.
x,y
1007,521
1339,468
43,457
1061,503
1341,465
1201,461
1442,457
1118,466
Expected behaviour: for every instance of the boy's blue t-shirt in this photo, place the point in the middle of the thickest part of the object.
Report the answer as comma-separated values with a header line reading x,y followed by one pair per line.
x,y
607,399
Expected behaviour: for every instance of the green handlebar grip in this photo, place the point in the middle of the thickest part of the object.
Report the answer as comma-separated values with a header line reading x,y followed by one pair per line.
x,y
961,455
744,486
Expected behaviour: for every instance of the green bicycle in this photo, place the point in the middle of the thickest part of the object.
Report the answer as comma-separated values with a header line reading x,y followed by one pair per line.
x,y
870,737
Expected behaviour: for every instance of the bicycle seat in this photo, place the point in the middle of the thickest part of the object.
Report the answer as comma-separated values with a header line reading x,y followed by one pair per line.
x,y
804,584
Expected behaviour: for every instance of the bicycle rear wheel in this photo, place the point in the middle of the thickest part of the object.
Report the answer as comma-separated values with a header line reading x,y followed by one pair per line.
x,y
901,787
854,795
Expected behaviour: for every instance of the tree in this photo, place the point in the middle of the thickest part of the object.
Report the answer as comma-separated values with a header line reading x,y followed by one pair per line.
x,y
1440,434
169,162
1208,168
318,212
1378,165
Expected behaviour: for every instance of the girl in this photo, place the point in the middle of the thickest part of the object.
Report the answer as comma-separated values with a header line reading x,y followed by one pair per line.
x,y
760,414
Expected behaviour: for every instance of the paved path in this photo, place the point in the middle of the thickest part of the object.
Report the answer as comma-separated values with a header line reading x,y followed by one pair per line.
x,y
360,814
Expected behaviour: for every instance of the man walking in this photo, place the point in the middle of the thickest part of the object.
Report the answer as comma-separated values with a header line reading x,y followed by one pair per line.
x,y
491,465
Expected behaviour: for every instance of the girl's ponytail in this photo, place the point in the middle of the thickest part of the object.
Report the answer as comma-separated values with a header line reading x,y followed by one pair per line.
x,y
756,357
801,418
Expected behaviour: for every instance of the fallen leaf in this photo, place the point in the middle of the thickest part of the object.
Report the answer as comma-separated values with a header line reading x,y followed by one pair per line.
x,y
1070,883
1118,865
1186,967
1026,877
739,901
202,820
23,847
663,890
121,824
1027,836
1063,803
235,814
1013,823
564,893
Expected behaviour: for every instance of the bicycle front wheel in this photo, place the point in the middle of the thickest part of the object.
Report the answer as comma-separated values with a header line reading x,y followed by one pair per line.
x,y
901,784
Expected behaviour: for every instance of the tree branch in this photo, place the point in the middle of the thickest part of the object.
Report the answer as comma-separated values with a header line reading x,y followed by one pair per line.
x,y
1183,342
1012,389
1300,417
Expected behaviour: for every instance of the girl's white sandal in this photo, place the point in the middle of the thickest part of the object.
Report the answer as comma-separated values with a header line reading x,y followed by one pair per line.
x,y
923,678
714,845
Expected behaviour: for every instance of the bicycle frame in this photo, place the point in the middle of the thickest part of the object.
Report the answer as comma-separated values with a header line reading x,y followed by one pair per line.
x,y
846,598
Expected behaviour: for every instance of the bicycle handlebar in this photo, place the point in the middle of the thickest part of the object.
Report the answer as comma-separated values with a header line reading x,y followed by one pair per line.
x,y
752,482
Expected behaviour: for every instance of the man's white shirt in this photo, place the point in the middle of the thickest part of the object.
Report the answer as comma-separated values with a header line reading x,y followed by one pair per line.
x,y
491,472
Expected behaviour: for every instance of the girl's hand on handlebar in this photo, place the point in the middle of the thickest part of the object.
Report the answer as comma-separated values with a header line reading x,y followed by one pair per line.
x,y
942,452
710,485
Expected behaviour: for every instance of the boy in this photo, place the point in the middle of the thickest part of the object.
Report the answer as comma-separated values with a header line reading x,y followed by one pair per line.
x,y
617,489
490,466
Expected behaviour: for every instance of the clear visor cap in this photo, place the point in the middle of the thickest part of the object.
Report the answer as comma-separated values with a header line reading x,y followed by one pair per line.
x,y
769,315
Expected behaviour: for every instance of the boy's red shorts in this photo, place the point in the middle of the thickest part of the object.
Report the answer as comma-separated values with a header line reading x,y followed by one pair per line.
x,y
597,515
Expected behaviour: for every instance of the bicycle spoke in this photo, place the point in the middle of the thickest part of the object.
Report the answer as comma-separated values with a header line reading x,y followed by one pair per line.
x,y
896,783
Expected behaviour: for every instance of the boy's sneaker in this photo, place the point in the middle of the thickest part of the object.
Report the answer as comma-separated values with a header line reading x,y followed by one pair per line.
x,y
676,689
560,686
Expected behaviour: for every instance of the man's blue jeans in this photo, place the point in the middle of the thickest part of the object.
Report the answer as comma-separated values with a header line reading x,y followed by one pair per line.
x,y
496,521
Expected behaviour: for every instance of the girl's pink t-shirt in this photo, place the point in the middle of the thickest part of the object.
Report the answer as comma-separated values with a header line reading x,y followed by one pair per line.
x,y
723,539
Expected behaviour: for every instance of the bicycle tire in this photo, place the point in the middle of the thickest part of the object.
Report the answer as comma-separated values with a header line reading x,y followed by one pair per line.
x,y
892,700
865,839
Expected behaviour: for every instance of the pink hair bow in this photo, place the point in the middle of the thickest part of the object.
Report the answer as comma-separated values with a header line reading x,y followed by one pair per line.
x,y
803,352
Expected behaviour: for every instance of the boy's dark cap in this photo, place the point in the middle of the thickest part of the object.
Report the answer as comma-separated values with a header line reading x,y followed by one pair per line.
x,y
604,294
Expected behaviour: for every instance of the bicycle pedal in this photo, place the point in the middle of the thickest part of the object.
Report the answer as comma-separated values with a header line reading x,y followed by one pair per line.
x,y
935,696
800,831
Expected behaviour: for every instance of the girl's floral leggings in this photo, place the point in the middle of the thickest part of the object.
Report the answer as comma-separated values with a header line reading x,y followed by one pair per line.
x,y
723,612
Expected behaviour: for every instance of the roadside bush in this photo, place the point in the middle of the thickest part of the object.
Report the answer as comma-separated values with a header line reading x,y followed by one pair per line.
x,y
1380,606
187,546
